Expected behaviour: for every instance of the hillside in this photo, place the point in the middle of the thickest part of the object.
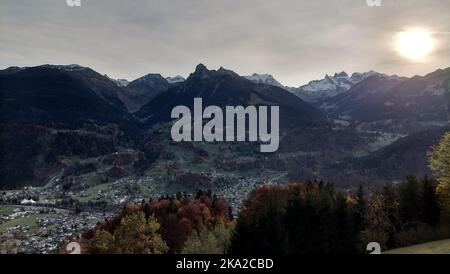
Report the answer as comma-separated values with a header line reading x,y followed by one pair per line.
x,y
224,87
50,113
53,116
437,247
393,104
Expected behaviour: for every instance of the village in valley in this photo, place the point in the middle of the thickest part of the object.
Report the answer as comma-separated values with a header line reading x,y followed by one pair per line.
x,y
43,220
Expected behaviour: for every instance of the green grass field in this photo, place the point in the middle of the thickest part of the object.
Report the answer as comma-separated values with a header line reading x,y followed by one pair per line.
x,y
30,221
26,221
92,191
438,247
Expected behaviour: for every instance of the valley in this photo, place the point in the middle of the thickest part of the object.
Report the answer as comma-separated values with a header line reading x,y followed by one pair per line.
x,y
76,146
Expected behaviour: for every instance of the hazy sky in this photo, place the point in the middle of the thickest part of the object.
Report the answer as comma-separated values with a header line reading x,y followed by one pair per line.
x,y
294,40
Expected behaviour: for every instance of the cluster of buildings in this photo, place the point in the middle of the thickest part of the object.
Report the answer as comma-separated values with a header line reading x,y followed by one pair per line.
x,y
38,221
43,230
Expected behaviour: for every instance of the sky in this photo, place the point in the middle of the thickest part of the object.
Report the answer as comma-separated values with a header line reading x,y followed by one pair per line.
x,y
294,40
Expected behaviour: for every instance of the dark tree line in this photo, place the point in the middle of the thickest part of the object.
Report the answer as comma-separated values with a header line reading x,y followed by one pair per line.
x,y
316,218
305,218
310,218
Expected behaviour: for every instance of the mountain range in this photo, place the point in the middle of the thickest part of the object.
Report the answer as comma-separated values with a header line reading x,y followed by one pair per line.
x,y
224,87
394,104
342,128
316,91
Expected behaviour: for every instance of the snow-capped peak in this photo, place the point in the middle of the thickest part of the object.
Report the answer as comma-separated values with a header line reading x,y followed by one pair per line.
x,y
121,82
331,85
71,67
342,74
176,79
358,77
264,79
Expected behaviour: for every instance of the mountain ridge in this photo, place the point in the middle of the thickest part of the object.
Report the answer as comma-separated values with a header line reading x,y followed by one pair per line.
x,y
224,87
52,114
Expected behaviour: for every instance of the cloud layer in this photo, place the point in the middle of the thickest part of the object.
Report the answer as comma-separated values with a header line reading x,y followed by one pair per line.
x,y
294,40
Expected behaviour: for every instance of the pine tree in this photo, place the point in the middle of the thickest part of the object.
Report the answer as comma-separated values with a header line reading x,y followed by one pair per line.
x,y
346,234
431,209
360,209
310,223
391,207
263,235
410,201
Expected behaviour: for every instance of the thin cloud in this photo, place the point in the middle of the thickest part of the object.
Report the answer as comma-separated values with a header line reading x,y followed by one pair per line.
x,y
296,41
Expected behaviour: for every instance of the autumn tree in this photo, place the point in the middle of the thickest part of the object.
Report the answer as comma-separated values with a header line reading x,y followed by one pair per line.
x,y
377,222
173,219
134,235
440,164
403,214
102,243
209,241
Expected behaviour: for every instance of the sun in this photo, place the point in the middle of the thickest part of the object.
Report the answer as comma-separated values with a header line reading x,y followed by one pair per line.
x,y
415,44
